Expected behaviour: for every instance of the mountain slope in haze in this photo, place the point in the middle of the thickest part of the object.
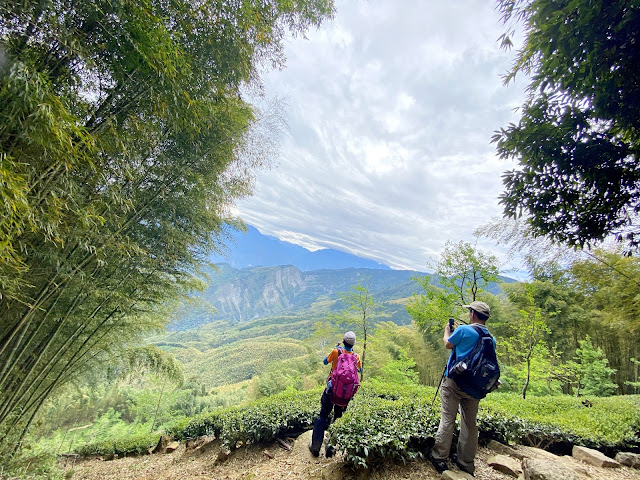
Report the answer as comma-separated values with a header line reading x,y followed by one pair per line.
x,y
239,295
252,249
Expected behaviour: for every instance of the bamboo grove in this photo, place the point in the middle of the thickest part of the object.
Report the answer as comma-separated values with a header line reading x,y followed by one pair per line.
x,y
125,139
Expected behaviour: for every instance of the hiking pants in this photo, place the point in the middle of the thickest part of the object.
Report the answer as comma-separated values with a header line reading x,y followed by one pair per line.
x,y
452,398
323,421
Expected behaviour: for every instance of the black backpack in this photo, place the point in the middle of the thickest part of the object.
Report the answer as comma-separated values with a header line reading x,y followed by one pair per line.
x,y
478,372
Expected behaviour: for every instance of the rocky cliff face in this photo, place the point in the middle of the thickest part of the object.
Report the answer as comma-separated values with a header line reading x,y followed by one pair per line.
x,y
246,294
269,291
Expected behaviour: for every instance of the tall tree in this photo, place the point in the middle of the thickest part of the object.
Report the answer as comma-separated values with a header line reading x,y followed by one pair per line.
x,y
360,310
125,139
464,272
590,371
578,138
524,339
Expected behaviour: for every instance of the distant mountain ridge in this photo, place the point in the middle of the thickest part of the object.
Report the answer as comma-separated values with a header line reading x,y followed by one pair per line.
x,y
253,249
240,295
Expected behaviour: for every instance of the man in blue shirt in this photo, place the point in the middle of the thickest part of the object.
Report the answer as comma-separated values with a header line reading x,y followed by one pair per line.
x,y
461,342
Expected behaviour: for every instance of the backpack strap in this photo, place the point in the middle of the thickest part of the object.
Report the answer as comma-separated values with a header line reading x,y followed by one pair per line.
x,y
481,331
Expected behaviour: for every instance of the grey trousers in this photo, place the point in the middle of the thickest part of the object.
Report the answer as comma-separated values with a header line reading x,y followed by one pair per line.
x,y
451,397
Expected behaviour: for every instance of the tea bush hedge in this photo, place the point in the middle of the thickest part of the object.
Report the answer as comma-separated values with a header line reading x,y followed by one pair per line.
x,y
387,422
262,420
375,429
129,445
607,423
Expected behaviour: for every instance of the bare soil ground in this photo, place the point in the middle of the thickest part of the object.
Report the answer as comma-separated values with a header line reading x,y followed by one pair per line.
x,y
272,461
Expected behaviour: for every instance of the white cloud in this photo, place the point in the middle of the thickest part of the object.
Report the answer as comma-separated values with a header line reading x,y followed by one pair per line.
x,y
390,109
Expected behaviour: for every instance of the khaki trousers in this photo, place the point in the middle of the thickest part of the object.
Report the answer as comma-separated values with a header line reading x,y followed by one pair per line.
x,y
452,398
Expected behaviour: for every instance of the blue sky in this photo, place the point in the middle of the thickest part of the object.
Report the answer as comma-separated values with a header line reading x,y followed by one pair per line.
x,y
390,110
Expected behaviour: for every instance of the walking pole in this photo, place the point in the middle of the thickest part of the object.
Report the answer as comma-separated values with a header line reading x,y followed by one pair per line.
x,y
445,367
439,383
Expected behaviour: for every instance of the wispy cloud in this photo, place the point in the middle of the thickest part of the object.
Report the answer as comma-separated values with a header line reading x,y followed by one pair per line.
x,y
390,109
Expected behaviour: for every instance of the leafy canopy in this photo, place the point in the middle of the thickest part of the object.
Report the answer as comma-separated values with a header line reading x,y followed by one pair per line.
x,y
465,272
578,137
126,137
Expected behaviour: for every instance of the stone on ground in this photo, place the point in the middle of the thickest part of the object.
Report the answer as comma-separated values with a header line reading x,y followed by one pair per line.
x,y
537,469
505,464
628,459
456,475
593,457
504,449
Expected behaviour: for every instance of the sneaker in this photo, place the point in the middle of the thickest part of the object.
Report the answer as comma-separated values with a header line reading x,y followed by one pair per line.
x,y
439,465
315,453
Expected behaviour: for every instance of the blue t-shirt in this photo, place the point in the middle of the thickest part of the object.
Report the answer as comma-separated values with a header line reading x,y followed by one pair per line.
x,y
464,338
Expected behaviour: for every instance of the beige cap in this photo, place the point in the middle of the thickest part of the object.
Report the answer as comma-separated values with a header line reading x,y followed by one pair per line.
x,y
480,307
350,338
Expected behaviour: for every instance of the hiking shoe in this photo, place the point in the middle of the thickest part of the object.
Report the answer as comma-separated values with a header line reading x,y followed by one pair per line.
x,y
315,453
329,451
439,465
465,469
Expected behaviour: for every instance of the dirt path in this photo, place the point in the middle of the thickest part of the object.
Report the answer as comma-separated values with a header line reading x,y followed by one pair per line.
x,y
273,462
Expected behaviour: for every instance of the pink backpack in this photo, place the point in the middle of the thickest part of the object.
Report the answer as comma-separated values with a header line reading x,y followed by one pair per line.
x,y
344,378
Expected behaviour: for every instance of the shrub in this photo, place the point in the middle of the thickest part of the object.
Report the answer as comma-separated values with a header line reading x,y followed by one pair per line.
x,y
127,445
608,424
261,420
376,429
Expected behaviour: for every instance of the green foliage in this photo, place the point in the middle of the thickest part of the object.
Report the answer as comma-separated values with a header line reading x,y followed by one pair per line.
x,y
590,371
609,422
128,445
233,363
126,137
525,340
401,352
608,283
433,307
286,412
400,371
32,466
577,138
391,421
465,272
634,384
360,311
376,429
538,377
152,358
